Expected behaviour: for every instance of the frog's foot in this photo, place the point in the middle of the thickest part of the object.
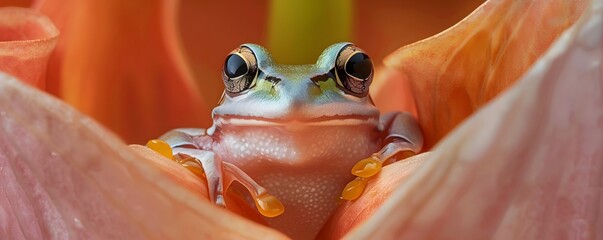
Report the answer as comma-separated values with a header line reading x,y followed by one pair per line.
x,y
368,167
219,175
403,141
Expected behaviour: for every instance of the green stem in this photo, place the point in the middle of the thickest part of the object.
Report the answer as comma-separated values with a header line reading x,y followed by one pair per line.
x,y
299,30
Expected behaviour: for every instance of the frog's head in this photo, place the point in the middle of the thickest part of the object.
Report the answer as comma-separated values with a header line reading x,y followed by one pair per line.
x,y
333,91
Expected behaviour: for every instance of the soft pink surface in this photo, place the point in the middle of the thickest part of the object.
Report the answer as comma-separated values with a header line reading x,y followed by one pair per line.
x,y
63,176
527,166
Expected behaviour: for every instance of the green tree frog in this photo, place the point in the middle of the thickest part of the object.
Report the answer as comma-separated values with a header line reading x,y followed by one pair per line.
x,y
293,132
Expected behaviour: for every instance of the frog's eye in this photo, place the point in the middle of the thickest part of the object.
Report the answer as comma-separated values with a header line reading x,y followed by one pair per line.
x,y
240,70
354,71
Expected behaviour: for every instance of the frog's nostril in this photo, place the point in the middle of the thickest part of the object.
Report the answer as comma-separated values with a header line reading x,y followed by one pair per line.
x,y
273,80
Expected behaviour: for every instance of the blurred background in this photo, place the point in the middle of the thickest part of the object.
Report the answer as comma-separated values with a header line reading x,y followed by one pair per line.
x,y
142,67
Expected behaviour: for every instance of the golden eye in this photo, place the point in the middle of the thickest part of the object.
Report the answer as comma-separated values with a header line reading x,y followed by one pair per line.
x,y
240,70
354,71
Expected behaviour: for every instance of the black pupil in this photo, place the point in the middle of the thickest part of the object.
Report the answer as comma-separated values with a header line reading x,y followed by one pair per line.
x,y
359,66
235,66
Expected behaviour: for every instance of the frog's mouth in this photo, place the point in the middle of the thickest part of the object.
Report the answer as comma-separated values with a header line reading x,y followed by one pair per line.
x,y
335,120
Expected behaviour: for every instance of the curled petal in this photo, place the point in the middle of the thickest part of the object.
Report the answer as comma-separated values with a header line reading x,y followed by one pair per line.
x,y
459,70
125,67
529,165
26,41
60,12
65,177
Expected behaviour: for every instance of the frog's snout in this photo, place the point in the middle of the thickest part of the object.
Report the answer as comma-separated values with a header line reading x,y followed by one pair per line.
x,y
302,93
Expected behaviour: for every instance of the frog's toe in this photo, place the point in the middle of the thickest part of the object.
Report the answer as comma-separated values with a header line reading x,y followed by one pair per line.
x,y
267,204
363,170
161,147
354,189
369,167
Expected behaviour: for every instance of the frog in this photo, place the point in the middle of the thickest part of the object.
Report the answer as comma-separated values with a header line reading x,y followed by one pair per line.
x,y
300,139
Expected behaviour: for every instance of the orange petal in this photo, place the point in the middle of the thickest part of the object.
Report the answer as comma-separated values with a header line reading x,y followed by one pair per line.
x,y
64,175
60,12
527,166
124,66
16,3
26,41
387,101
380,27
456,72
211,29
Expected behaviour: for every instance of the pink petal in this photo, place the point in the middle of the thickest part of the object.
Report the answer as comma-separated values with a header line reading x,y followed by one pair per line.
x,y
527,166
65,177
353,213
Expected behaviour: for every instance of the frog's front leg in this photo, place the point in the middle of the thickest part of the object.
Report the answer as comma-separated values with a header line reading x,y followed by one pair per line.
x,y
212,169
403,137
191,148
184,137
